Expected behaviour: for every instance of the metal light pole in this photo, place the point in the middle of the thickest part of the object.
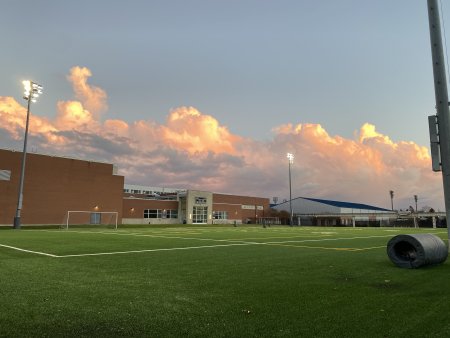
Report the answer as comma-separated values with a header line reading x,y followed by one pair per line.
x,y
391,192
441,96
291,160
415,200
32,91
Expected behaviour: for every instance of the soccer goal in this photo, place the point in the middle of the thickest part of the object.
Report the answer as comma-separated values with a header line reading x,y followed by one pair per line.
x,y
92,218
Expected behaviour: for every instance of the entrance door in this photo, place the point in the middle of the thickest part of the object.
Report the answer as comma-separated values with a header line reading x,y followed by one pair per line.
x,y
200,215
96,218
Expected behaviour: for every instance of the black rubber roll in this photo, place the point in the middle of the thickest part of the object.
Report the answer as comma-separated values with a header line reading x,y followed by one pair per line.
x,y
414,251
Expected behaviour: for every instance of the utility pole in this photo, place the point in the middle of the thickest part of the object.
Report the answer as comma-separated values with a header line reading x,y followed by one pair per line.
x,y
441,95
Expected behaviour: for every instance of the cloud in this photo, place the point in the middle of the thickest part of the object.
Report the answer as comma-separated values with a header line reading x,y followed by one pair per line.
x,y
194,150
363,169
194,132
93,98
72,115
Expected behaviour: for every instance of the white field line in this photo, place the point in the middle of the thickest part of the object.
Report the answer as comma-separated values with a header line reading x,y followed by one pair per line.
x,y
337,239
279,237
166,237
29,251
156,250
233,243
169,236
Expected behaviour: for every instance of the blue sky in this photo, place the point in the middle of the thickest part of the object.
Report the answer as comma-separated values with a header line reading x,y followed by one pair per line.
x,y
252,65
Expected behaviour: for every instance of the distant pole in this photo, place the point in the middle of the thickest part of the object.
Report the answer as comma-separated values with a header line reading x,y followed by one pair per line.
x,y
291,160
32,91
415,200
441,95
391,193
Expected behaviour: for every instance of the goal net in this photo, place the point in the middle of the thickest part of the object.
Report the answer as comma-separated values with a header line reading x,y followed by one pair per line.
x,y
106,219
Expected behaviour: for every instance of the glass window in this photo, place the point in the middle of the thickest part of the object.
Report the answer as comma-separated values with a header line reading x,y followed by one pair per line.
x,y
149,213
220,215
200,215
157,213
171,213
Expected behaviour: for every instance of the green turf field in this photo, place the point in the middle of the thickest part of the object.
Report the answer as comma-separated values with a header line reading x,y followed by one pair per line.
x,y
217,282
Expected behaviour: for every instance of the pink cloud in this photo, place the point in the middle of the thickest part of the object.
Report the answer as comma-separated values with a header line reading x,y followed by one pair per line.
x,y
93,98
194,150
190,130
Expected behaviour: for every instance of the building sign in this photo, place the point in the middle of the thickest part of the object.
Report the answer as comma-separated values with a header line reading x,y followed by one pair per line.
x,y
200,200
252,207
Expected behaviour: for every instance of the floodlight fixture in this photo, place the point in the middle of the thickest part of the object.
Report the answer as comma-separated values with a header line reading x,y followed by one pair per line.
x,y
290,158
31,93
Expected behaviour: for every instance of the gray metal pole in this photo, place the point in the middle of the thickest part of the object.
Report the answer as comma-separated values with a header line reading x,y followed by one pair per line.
x,y
441,94
290,195
17,222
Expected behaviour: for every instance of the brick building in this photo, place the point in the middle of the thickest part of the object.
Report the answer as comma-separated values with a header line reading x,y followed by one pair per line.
x,y
55,185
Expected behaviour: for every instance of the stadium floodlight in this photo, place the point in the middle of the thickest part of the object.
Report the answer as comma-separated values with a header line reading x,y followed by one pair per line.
x,y
391,193
31,93
291,161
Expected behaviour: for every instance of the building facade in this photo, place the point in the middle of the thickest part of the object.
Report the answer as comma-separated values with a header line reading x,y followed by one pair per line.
x,y
92,191
191,207
55,185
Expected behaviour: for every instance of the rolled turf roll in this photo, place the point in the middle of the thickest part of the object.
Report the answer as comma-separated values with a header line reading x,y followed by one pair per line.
x,y
414,251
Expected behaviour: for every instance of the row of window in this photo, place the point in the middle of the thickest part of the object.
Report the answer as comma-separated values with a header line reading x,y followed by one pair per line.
x,y
144,192
220,215
157,213
199,212
200,215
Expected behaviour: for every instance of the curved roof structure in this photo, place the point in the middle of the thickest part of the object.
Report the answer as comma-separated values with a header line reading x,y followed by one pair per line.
x,y
347,205
306,205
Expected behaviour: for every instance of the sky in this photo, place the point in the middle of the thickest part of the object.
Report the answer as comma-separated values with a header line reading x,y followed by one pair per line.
x,y
212,94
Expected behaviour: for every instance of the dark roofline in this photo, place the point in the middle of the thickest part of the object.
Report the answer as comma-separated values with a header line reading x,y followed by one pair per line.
x,y
339,204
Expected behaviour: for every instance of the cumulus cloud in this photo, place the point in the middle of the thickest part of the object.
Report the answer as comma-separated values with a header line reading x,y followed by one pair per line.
x,y
188,129
93,98
194,150
363,169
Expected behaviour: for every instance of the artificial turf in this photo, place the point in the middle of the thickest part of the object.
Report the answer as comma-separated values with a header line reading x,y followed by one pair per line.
x,y
217,282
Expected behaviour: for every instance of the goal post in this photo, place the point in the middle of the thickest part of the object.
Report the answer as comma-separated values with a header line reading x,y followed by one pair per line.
x,y
81,217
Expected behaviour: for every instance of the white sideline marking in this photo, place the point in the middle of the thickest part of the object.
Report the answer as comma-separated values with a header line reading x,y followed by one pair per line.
x,y
336,239
155,250
29,251
332,239
161,236
240,243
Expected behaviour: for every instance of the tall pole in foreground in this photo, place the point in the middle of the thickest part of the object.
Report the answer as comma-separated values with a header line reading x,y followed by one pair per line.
x,y
291,160
441,94
32,91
